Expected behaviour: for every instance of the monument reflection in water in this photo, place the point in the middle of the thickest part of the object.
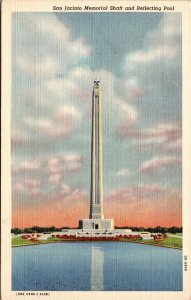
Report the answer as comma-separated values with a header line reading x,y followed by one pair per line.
x,y
97,266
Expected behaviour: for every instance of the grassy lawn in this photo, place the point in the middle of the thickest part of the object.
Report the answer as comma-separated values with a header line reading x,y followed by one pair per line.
x,y
179,234
169,241
129,240
175,234
173,242
54,239
18,241
50,240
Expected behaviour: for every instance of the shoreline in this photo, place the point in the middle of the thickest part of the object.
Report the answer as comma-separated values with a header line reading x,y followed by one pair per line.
x,y
74,241
156,245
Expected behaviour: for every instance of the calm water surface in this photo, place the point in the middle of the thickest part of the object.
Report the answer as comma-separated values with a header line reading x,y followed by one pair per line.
x,y
108,266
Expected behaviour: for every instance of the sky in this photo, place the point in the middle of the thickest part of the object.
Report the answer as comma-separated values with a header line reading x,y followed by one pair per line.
x,y
55,59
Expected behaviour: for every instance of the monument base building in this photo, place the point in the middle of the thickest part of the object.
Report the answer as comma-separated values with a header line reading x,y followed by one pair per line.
x,y
98,224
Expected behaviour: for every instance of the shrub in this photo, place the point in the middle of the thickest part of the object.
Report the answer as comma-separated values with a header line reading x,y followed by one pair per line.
x,y
33,239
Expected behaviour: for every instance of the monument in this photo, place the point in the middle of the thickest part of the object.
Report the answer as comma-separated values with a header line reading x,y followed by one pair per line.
x,y
96,219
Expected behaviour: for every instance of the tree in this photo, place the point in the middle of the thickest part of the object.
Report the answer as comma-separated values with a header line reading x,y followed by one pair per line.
x,y
174,229
28,230
16,230
52,228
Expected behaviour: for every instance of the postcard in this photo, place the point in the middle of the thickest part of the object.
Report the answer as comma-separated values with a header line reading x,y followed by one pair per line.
x,y
96,150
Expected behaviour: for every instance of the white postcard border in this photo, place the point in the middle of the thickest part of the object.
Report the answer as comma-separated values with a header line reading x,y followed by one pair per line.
x,y
41,6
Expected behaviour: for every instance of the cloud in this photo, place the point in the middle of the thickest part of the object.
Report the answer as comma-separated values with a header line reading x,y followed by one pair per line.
x,y
164,136
25,166
152,74
128,113
55,109
73,162
72,194
65,190
18,141
60,125
55,178
66,114
66,163
151,188
123,173
53,165
64,208
77,85
37,66
162,42
26,188
48,103
133,89
39,56
45,176
32,183
144,205
158,163
136,192
19,138
153,54
18,187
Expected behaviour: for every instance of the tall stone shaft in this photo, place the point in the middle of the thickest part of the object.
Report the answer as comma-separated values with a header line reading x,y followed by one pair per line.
x,y
96,219
96,204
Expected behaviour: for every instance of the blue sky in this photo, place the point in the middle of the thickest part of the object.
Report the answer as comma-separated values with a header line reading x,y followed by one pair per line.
x,y
56,57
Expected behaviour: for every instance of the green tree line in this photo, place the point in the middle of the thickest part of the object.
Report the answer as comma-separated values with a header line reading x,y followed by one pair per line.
x,y
160,229
37,229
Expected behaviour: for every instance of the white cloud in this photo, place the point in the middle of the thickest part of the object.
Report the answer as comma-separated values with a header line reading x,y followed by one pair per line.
x,y
128,114
152,71
55,178
38,55
123,173
65,190
60,125
162,42
152,54
72,162
18,187
158,163
136,192
67,114
53,165
64,164
32,183
26,166
164,136
44,66
55,59
59,86
44,176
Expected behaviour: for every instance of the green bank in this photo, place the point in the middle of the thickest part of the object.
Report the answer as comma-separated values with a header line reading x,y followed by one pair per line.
x,y
171,242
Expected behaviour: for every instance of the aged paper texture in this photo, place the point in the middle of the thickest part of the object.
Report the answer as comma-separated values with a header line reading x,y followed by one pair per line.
x,y
96,150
